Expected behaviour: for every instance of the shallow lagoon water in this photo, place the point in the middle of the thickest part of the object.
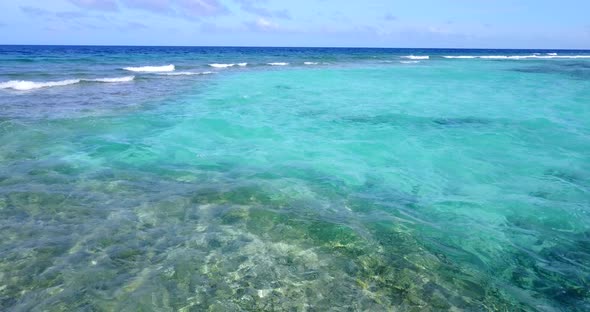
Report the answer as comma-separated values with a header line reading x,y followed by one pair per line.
x,y
359,183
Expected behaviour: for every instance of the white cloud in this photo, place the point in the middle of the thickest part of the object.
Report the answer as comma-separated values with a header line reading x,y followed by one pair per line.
x,y
185,8
201,7
262,24
34,11
101,5
251,7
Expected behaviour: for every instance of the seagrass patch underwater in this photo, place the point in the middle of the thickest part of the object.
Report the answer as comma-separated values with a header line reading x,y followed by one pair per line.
x,y
284,179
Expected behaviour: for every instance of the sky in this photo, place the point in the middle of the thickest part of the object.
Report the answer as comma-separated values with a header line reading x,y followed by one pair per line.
x,y
547,24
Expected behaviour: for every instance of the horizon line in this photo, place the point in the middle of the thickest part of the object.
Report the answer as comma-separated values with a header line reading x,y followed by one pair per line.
x,y
282,47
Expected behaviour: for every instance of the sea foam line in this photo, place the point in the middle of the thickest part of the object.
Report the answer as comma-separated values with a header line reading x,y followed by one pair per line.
x,y
459,57
151,69
517,57
187,73
278,64
111,80
24,85
222,65
416,57
217,65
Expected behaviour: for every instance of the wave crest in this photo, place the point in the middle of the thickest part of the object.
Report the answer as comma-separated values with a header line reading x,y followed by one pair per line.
x,y
216,65
278,64
151,69
517,57
25,85
187,73
416,57
459,57
112,80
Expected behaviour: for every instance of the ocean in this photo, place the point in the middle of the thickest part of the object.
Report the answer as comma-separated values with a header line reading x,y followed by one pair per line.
x,y
294,179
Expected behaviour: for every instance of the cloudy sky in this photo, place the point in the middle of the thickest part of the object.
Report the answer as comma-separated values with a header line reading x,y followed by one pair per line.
x,y
369,23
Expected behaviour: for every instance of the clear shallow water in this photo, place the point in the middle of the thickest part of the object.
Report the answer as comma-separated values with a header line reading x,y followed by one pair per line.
x,y
357,183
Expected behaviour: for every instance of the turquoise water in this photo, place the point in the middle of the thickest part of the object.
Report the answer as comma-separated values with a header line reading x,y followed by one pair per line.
x,y
345,180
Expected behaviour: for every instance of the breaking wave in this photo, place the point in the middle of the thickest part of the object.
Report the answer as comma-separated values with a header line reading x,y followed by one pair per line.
x,y
215,65
416,57
459,57
151,69
187,73
111,80
222,65
24,85
517,57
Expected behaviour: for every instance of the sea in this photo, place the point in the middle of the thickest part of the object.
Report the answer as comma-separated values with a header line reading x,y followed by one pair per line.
x,y
294,179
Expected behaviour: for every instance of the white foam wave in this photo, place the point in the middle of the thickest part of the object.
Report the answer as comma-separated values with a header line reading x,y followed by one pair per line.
x,y
242,64
112,80
310,63
565,56
416,57
409,62
519,57
459,57
151,69
493,57
216,65
23,85
187,73
278,64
